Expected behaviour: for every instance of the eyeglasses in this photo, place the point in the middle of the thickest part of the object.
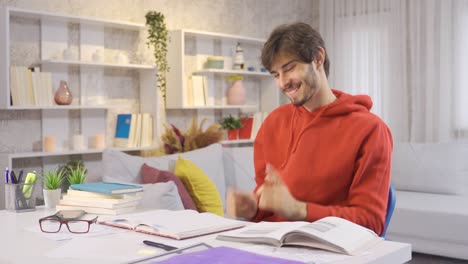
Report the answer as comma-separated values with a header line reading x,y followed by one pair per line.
x,y
53,224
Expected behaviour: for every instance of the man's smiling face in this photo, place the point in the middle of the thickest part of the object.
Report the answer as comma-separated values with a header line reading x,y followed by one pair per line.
x,y
296,79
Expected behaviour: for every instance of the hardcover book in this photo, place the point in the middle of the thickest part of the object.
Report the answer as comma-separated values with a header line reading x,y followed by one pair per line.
x,y
122,130
329,233
107,187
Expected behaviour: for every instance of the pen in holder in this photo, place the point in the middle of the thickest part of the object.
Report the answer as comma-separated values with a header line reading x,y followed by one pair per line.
x,y
20,197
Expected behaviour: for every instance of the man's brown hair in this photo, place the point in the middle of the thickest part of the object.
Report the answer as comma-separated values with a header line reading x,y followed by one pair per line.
x,y
298,39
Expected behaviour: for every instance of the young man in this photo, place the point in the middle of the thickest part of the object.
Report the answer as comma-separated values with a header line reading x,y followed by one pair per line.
x,y
322,155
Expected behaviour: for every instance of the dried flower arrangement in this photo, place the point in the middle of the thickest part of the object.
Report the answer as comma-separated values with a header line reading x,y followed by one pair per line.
x,y
175,141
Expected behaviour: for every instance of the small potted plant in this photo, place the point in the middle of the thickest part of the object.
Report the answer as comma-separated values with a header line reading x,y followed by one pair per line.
x,y
232,125
77,175
74,172
52,181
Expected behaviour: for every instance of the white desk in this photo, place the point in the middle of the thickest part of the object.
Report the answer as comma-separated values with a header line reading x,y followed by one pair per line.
x,y
20,245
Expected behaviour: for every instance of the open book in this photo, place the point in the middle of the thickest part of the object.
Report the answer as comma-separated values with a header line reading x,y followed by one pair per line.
x,y
173,224
329,233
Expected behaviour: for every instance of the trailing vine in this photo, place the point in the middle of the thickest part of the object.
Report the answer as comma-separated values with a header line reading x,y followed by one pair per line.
x,y
158,39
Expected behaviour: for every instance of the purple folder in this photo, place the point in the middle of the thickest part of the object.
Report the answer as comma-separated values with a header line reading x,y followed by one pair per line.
x,y
225,255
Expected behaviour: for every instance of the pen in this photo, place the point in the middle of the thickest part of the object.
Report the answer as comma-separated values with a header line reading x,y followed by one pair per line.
x,y
159,245
13,178
20,176
6,175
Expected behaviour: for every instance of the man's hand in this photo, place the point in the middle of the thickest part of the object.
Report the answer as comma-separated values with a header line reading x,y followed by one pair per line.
x,y
274,196
241,204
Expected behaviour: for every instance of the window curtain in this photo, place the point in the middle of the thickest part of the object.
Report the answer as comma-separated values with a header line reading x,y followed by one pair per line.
x,y
409,56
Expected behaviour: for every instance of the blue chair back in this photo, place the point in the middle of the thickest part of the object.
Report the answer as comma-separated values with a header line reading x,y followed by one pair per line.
x,y
390,207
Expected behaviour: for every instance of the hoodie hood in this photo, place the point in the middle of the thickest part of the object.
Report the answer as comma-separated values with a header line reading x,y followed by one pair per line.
x,y
344,104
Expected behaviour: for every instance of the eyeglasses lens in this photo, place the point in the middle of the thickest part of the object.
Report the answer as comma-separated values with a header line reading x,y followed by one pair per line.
x,y
50,225
78,226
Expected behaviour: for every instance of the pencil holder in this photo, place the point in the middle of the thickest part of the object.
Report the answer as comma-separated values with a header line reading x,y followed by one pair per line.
x,y
20,197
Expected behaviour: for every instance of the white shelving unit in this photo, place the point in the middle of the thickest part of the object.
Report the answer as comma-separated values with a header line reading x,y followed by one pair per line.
x,y
188,52
93,82
187,55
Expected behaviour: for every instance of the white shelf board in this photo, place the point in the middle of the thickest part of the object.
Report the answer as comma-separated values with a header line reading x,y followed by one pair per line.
x,y
19,155
218,107
97,64
76,19
62,107
238,141
242,39
234,72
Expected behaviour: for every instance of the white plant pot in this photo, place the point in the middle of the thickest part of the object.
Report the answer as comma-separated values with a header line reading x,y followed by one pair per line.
x,y
51,197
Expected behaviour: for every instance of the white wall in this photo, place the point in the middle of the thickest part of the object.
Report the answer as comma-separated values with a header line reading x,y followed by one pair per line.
x,y
255,18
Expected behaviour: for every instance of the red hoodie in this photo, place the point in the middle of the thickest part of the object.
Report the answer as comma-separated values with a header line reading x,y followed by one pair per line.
x,y
336,158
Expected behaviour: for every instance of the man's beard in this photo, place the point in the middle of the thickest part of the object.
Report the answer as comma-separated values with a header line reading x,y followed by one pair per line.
x,y
310,84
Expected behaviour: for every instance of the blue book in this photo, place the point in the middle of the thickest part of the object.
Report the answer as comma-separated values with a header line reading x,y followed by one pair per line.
x,y
122,130
106,187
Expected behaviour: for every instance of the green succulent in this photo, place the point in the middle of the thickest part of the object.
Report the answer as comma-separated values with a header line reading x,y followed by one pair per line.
x,y
76,175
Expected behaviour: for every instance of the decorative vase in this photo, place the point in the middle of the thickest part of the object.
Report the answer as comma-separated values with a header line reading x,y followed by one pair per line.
x,y
236,93
63,94
51,197
233,134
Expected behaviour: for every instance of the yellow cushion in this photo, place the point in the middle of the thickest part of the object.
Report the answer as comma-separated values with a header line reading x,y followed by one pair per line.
x,y
202,190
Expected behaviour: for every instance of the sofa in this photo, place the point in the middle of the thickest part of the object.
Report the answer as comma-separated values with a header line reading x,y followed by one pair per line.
x,y
226,167
431,211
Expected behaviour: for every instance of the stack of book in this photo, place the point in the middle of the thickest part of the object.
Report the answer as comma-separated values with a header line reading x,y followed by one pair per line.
x,y
101,198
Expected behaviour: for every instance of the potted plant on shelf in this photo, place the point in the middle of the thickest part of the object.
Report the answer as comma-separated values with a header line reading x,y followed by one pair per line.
x,y
52,181
232,125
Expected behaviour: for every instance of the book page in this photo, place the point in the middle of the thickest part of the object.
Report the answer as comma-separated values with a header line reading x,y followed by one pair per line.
x,y
263,232
177,224
348,237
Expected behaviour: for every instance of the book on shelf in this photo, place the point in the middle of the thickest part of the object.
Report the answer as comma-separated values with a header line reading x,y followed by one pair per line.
x,y
207,92
132,135
180,224
96,210
329,233
198,90
21,86
107,187
146,130
137,140
122,130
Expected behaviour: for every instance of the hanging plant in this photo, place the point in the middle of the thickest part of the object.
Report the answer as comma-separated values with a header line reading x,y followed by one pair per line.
x,y
158,39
